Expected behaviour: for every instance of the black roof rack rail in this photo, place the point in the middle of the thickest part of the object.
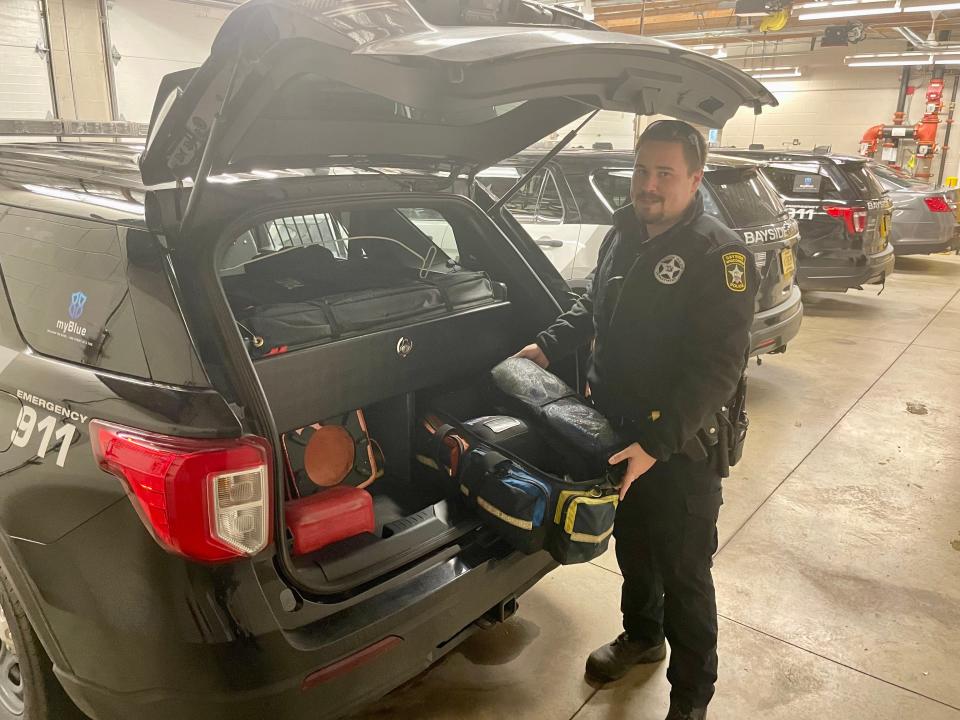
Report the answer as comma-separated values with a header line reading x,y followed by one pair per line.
x,y
73,128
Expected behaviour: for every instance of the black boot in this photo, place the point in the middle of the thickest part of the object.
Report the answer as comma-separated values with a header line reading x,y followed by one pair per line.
x,y
613,661
685,711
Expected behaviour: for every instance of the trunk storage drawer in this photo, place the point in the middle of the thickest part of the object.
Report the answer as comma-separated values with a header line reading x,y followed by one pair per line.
x,y
328,379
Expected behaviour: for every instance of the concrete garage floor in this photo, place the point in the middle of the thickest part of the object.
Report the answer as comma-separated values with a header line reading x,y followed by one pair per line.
x,y
838,573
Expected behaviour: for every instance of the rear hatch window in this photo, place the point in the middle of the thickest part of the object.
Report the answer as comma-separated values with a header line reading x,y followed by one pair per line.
x,y
746,197
802,180
862,180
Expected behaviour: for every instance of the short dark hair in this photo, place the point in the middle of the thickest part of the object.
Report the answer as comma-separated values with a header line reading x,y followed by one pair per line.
x,y
694,146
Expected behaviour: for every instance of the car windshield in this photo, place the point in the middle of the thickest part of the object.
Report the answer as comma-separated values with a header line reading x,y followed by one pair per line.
x,y
746,196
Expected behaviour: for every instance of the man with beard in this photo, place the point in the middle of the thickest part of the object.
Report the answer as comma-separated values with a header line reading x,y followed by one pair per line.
x,y
669,313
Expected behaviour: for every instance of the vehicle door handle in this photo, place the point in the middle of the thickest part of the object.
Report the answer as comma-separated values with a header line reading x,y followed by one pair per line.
x,y
547,241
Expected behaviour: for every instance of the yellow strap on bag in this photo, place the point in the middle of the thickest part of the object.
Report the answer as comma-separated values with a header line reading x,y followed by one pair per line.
x,y
571,519
501,515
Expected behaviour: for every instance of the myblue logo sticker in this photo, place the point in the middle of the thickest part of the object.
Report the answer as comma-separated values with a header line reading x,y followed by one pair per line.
x,y
77,301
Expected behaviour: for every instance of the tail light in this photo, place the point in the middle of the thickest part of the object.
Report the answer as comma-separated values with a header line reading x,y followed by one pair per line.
x,y
855,218
937,204
208,500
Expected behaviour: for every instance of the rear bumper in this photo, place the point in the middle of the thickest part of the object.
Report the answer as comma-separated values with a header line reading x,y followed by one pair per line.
x,y
835,275
150,636
445,621
927,246
774,328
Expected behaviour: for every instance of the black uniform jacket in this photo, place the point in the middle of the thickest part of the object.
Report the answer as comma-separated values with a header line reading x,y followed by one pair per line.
x,y
670,318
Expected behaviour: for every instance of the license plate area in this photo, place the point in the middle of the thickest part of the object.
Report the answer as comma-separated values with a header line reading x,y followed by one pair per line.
x,y
787,262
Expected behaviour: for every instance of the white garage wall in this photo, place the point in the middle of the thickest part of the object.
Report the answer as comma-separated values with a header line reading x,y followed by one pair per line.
x,y
24,77
613,127
156,37
834,105
831,104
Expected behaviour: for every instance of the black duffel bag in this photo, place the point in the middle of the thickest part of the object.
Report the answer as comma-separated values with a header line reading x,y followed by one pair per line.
x,y
575,430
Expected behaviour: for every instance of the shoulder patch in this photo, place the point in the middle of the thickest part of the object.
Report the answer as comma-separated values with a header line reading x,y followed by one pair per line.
x,y
735,271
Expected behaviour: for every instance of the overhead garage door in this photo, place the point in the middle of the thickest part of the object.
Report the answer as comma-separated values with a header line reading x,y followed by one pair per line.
x,y
153,38
24,77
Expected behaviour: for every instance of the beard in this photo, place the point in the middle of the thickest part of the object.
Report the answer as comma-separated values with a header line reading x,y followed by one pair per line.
x,y
649,208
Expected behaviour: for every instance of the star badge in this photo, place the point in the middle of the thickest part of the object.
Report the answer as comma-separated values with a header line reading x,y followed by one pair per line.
x,y
669,269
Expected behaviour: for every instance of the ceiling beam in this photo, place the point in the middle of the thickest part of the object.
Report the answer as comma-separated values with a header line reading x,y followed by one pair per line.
x,y
657,19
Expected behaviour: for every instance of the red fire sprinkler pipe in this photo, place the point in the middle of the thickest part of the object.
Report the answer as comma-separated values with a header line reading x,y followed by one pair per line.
x,y
927,128
926,135
870,140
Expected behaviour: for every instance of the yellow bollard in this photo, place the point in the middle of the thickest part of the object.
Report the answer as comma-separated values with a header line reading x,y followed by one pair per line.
x,y
950,182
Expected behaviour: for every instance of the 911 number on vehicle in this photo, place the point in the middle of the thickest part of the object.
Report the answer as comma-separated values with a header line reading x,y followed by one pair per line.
x,y
29,422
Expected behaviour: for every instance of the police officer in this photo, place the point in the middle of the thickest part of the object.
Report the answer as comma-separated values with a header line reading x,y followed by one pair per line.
x,y
669,313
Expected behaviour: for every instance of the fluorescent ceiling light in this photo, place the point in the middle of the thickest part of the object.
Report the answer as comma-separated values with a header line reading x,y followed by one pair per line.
x,y
887,63
945,57
702,34
932,8
777,72
860,8
888,59
859,12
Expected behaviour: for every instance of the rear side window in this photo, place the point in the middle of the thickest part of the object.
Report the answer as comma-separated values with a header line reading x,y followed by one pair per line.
x,y
67,282
862,180
538,201
614,186
746,196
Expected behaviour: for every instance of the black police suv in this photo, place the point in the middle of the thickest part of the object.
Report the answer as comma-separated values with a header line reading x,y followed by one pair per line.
x,y
844,215
176,317
567,207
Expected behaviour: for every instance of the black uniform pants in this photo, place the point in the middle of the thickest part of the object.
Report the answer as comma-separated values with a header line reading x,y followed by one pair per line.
x,y
666,532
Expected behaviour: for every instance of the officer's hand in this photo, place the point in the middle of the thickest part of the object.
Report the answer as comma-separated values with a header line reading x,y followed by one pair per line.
x,y
533,352
638,463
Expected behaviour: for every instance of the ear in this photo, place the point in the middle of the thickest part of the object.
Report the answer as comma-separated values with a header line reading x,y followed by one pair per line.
x,y
697,179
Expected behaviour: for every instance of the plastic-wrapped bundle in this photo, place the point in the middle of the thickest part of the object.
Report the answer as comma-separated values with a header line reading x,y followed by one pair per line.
x,y
573,428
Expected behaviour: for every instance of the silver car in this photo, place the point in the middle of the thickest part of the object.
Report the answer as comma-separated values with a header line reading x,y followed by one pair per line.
x,y
924,218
